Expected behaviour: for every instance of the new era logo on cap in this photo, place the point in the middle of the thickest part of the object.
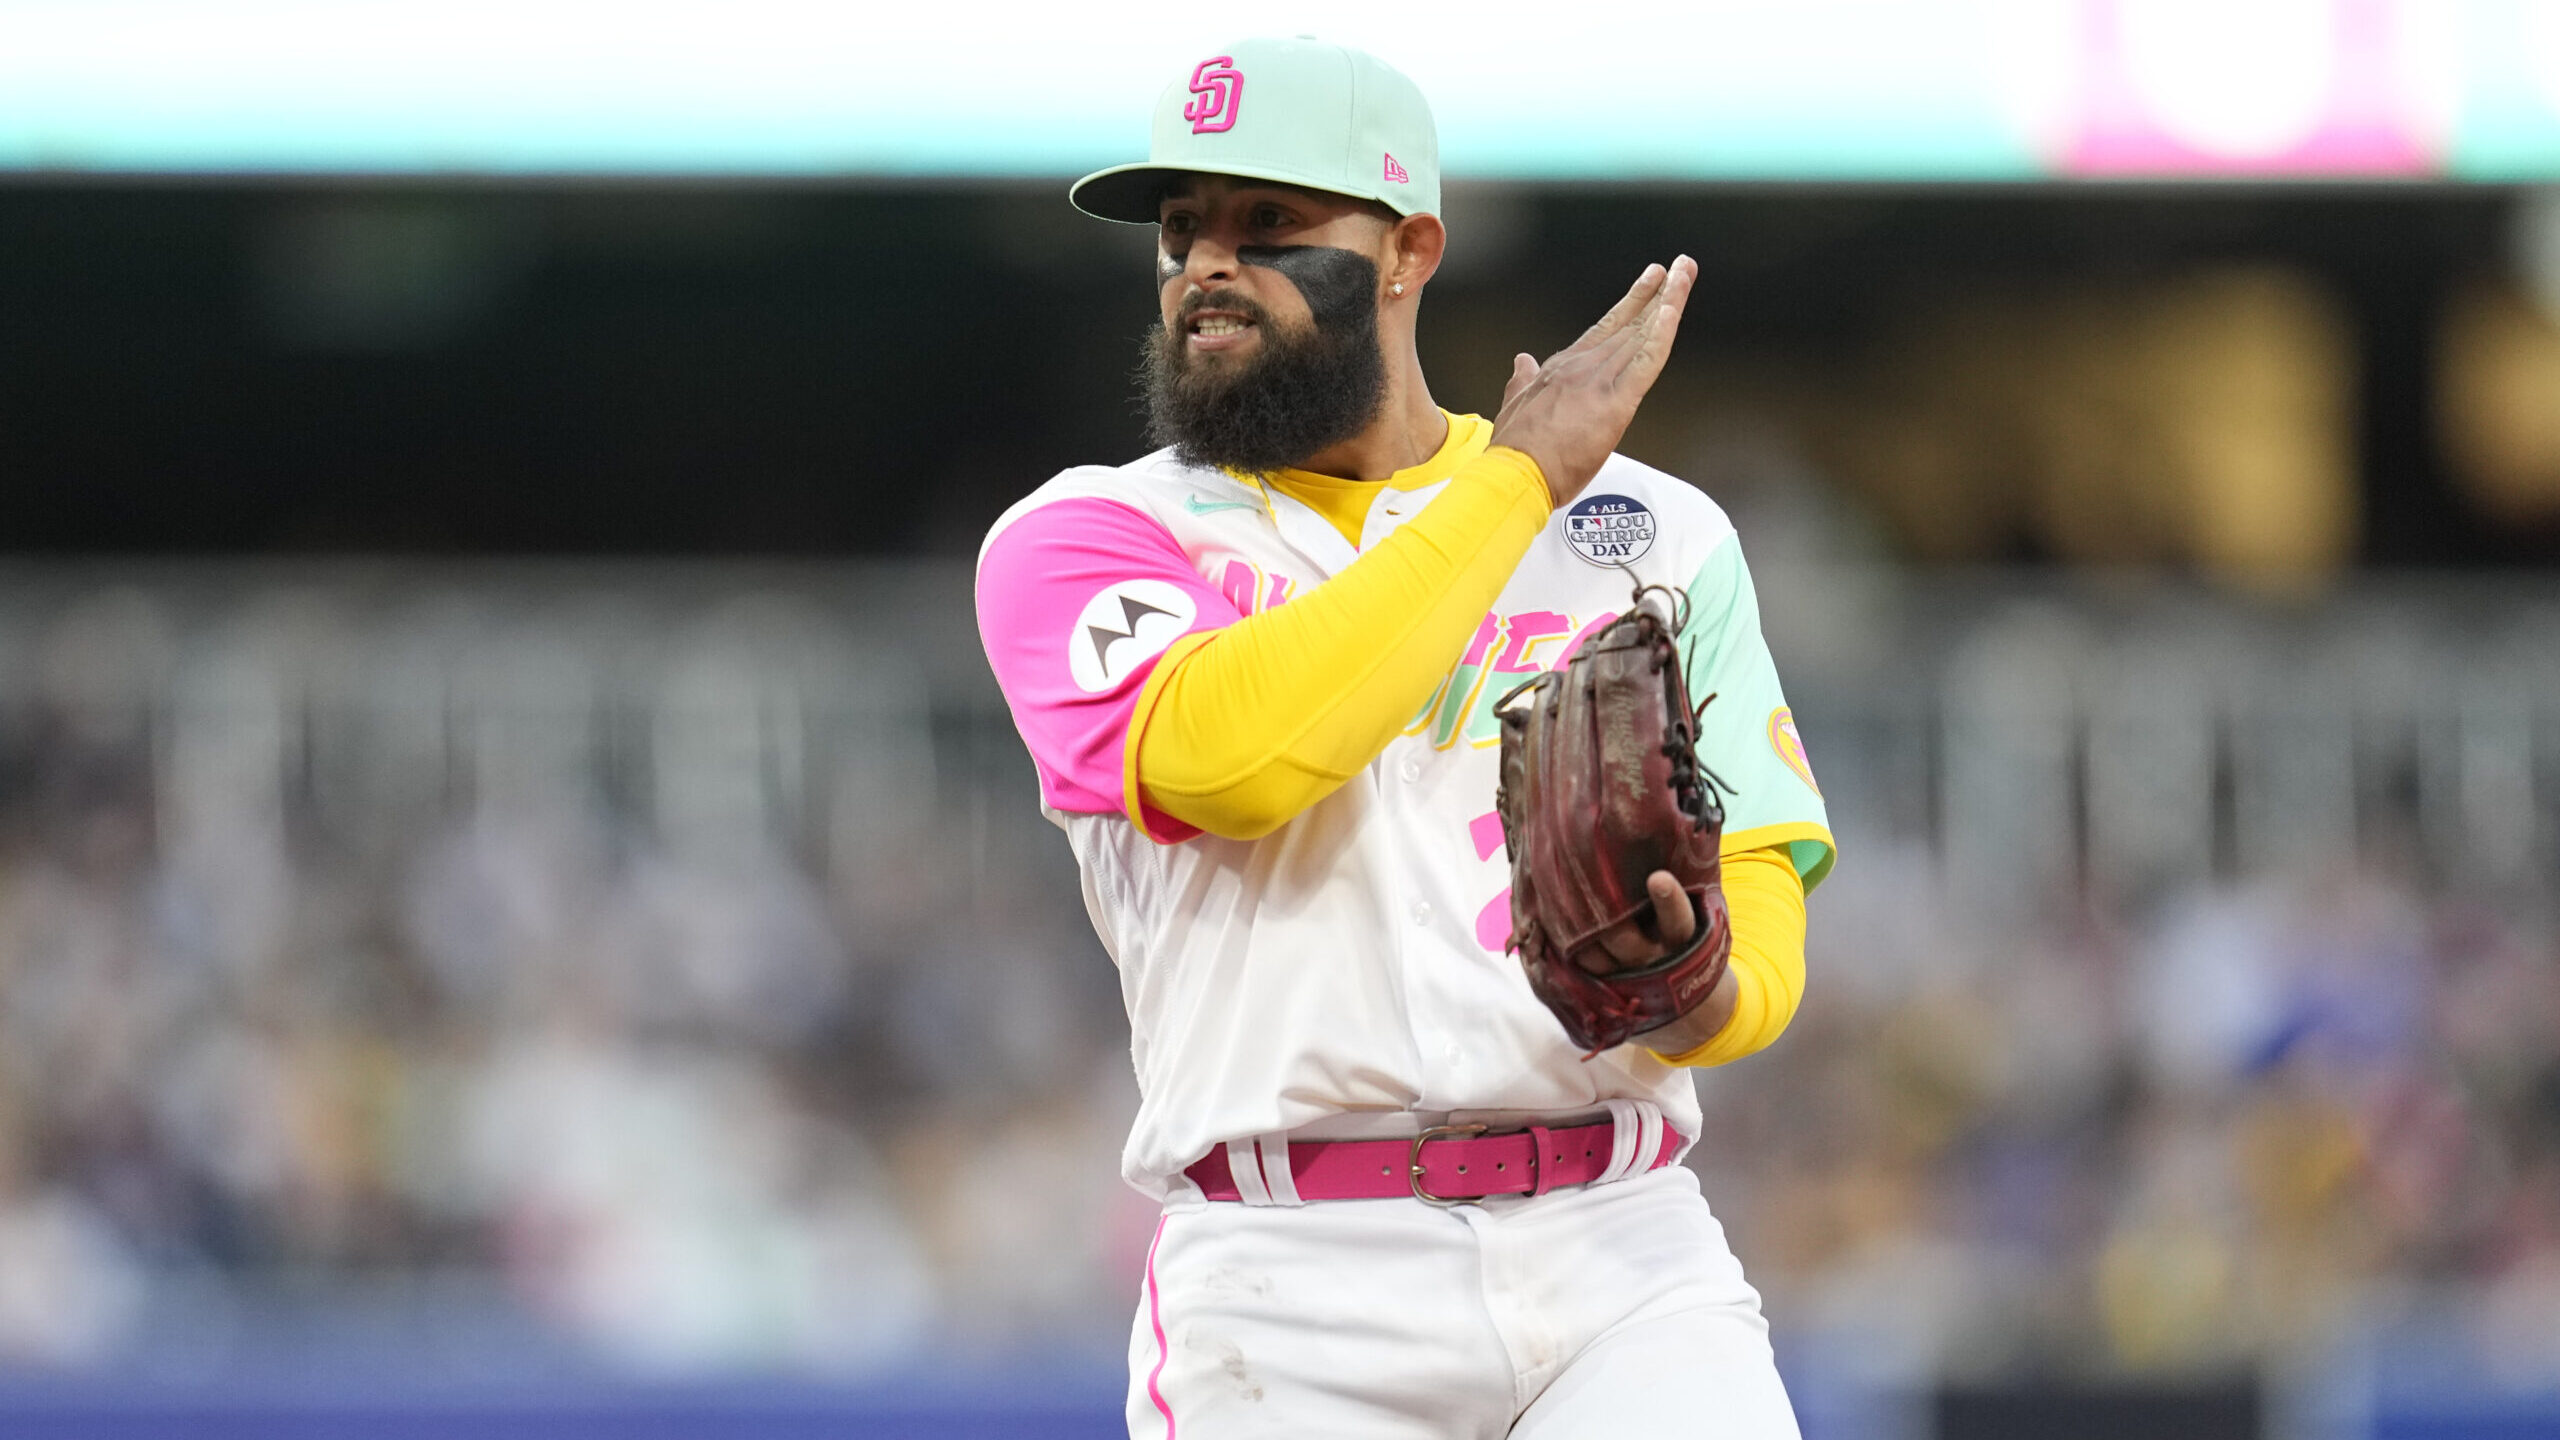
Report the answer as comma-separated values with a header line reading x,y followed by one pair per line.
x,y
1395,172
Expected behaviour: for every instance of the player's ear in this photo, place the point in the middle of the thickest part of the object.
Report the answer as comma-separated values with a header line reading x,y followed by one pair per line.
x,y
1413,245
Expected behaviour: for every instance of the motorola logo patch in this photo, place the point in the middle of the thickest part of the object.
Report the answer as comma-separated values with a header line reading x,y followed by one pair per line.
x,y
1123,627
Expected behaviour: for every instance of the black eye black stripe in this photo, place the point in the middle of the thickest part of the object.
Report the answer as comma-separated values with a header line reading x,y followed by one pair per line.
x,y
1340,285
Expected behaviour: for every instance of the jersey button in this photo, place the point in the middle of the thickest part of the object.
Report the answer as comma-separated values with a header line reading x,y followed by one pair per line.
x,y
1411,770
1421,912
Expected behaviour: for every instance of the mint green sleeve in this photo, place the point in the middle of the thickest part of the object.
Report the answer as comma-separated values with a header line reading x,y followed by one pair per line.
x,y
1747,734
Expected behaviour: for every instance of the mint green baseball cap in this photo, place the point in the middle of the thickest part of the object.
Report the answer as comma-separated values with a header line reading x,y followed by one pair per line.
x,y
1300,111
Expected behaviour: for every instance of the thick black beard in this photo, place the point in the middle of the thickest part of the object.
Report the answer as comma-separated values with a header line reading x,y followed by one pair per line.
x,y
1307,390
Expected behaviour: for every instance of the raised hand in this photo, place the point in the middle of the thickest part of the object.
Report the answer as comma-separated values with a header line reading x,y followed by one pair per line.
x,y
1568,413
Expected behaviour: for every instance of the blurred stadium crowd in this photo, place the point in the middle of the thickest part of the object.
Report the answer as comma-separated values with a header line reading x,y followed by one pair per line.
x,y
2271,1118
671,958
638,973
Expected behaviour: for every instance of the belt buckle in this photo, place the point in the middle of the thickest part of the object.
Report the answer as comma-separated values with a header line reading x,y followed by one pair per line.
x,y
1414,1164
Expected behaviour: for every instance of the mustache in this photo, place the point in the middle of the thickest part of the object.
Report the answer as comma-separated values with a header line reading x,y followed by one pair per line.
x,y
1227,300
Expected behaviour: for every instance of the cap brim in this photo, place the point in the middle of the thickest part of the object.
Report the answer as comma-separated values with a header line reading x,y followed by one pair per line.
x,y
1133,194
1130,194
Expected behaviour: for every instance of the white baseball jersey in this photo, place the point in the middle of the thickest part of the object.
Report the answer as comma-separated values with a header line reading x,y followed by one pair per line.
x,y
1349,967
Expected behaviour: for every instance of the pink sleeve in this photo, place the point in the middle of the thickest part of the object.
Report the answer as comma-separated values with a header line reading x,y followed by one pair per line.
x,y
1076,601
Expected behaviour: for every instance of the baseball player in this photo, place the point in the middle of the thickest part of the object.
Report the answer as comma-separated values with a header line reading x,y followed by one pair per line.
x,y
1257,670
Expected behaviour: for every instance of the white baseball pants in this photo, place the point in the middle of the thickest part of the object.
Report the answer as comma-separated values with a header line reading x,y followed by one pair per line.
x,y
1611,1310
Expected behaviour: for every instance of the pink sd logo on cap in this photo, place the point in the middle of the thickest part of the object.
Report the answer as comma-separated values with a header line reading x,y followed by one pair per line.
x,y
1217,87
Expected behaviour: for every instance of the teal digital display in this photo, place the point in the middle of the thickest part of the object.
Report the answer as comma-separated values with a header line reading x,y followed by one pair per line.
x,y
1889,90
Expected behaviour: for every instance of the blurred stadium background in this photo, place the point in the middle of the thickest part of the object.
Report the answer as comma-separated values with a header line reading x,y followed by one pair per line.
x,y
521,912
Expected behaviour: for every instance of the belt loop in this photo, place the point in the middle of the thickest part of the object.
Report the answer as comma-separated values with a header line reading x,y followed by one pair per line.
x,y
1541,1155
1246,1167
1628,1154
1649,1137
1278,1179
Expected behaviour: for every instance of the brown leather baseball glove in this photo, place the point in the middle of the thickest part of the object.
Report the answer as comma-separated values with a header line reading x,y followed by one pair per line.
x,y
1601,786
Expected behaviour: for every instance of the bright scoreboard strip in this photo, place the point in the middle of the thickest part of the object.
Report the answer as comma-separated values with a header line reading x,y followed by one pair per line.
x,y
1946,90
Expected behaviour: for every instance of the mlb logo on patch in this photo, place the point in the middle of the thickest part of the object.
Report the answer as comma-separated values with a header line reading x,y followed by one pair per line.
x,y
1395,172
1609,529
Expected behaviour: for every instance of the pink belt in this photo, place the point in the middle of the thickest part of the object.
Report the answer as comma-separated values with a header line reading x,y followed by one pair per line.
x,y
1446,1164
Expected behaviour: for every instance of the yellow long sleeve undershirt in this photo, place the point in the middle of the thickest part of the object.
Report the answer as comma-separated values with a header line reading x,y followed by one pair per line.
x,y
1765,900
1242,729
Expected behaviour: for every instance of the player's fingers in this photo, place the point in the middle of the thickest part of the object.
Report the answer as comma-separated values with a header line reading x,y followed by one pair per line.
x,y
1649,342
1673,292
1668,302
1673,915
1524,369
1629,307
1626,945
1634,943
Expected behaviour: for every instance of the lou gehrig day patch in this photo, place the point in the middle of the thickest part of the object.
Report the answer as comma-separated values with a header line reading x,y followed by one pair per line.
x,y
1124,626
1790,745
1609,529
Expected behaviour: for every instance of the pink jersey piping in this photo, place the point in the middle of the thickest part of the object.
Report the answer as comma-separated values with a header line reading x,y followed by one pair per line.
x,y
1155,1317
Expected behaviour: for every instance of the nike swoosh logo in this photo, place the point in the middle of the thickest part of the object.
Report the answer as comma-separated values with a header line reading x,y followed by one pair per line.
x,y
1198,506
